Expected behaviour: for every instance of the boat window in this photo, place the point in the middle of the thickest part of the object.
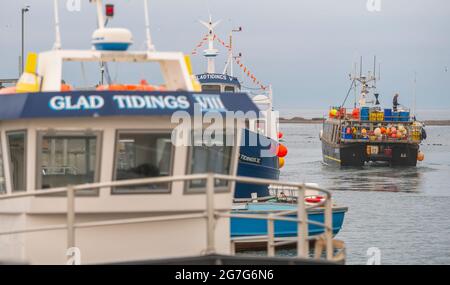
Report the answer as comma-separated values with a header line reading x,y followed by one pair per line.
x,y
229,88
211,156
67,159
143,155
2,173
211,88
17,158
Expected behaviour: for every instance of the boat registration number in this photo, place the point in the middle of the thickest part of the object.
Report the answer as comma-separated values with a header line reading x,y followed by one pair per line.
x,y
372,149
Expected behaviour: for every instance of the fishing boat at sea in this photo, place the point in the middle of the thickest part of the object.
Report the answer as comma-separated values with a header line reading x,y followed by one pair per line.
x,y
263,152
369,133
105,175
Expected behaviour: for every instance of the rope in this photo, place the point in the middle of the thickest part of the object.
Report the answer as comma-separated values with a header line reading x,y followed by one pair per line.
x,y
245,69
242,66
348,93
199,45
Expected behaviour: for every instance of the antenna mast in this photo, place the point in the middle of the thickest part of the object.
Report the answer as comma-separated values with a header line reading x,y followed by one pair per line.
x,y
150,45
365,84
57,44
230,52
414,93
374,70
211,52
100,16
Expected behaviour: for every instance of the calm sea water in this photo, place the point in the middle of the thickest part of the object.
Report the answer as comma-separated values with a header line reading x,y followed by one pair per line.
x,y
405,212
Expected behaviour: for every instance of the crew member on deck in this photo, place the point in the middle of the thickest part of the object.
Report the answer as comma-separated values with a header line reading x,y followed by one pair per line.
x,y
395,103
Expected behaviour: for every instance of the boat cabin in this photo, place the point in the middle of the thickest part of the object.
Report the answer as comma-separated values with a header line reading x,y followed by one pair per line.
x,y
57,137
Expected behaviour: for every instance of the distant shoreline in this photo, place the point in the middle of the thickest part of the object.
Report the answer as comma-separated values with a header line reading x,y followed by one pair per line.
x,y
300,120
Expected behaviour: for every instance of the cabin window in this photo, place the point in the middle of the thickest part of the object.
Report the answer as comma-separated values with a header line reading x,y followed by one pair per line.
x,y
229,88
17,158
143,155
211,88
210,156
67,159
2,173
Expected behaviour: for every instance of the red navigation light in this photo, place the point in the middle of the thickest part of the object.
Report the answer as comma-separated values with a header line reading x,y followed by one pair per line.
x,y
109,10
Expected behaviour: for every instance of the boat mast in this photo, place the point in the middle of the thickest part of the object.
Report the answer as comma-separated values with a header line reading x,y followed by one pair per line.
x,y
230,56
414,93
364,84
230,53
57,44
100,17
211,52
150,45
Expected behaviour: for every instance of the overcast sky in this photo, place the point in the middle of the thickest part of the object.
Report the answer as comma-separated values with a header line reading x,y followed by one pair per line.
x,y
304,48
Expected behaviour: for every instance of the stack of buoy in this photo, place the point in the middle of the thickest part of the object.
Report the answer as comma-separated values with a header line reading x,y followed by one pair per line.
x,y
281,151
333,113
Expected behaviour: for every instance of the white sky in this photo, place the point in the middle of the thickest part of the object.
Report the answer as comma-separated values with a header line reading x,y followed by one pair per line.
x,y
305,48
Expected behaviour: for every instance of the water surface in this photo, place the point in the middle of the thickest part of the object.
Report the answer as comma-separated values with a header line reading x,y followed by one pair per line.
x,y
405,212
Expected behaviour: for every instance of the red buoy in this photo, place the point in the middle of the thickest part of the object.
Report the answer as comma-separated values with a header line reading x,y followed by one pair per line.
x,y
282,150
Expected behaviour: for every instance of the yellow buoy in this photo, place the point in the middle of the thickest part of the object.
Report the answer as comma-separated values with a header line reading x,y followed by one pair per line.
x,y
281,161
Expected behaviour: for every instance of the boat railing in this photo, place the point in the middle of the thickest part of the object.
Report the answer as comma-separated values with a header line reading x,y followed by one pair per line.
x,y
323,242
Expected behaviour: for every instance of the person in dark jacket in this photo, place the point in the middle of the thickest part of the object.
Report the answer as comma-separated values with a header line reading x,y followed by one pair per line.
x,y
395,103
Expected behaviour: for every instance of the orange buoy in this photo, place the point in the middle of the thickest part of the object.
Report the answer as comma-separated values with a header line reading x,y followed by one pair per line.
x,y
282,150
66,88
355,113
420,156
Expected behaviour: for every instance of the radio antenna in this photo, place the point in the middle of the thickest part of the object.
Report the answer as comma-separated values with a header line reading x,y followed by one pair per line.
x,y
374,70
150,45
360,66
379,71
57,44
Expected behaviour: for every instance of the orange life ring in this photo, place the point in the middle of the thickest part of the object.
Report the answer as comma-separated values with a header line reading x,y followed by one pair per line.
x,y
8,90
66,88
130,87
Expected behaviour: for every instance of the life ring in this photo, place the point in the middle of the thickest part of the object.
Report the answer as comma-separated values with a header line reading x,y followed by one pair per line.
x,y
130,87
314,199
8,90
66,88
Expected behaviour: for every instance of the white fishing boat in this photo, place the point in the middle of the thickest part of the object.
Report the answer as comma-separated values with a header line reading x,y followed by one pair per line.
x,y
104,175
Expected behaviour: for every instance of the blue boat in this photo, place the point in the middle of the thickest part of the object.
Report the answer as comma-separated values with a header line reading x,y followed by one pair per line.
x,y
241,227
261,134
252,162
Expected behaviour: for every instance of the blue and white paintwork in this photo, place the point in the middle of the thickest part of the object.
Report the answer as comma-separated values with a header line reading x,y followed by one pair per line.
x,y
253,164
241,227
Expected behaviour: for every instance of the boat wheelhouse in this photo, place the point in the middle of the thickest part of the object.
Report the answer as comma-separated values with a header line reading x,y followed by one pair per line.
x,y
258,154
107,175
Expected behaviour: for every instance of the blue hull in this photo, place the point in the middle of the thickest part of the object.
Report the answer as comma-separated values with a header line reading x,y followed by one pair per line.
x,y
252,164
251,227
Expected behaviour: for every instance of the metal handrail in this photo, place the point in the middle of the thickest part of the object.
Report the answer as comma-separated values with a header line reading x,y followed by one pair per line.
x,y
210,214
